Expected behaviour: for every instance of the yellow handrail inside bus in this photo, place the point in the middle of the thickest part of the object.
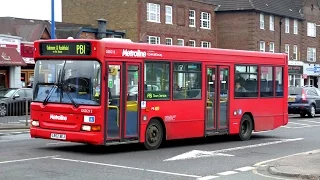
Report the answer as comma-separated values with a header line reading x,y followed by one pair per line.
x,y
116,107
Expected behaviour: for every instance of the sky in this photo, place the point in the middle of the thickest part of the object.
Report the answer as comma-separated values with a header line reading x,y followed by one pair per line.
x,y
30,9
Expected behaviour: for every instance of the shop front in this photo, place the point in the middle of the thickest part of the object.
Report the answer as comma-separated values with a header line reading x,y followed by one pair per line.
x,y
10,61
295,71
311,74
27,71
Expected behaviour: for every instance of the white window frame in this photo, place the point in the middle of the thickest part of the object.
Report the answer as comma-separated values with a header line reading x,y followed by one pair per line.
x,y
262,46
182,42
205,17
312,52
205,44
287,50
155,38
295,26
169,39
192,42
311,29
271,47
295,52
287,25
153,10
192,18
169,14
271,22
261,21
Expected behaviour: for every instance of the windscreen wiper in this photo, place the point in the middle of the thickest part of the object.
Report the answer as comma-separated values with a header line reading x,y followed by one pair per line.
x,y
55,86
62,84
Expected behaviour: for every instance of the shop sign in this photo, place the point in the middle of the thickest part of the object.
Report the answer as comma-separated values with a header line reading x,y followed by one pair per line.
x,y
295,69
311,69
26,50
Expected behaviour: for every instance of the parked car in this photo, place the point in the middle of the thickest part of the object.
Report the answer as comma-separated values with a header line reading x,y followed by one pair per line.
x,y
13,101
304,101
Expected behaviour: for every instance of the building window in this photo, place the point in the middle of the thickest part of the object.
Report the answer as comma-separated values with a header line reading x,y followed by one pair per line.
x,y
187,81
295,52
261,21
287,21
311,29
312,55
180,42
153,12
153,40
271,47
168,41
205,44
262,46
295,80
246,81
279,81
205,20
287,50
295,26
157,80
168,14
266,81
192,18
271,23
192,43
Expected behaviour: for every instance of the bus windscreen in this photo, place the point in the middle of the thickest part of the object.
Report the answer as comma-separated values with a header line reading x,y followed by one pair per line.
x,y
79,84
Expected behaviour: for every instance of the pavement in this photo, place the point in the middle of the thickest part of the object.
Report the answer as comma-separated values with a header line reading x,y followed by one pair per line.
x,y
304,165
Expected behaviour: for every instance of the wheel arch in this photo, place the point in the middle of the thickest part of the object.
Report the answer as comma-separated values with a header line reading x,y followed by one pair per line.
x,y
252,119
157,118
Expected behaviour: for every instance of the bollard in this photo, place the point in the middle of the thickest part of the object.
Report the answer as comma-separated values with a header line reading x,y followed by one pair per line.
x,y
27,113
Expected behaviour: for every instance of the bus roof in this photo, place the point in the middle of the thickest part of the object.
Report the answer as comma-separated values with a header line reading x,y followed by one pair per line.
x,y
117,43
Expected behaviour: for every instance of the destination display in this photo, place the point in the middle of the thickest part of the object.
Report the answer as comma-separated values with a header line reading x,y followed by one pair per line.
x,y
65,48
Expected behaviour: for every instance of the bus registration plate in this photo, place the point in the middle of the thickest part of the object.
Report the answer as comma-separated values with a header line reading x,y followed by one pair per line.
x,y
58,136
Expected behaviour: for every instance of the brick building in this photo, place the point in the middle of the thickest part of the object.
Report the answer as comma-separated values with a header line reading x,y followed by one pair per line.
x,y
273,26
171,22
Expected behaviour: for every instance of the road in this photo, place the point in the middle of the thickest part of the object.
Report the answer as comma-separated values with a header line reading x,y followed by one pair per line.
x,y
211,158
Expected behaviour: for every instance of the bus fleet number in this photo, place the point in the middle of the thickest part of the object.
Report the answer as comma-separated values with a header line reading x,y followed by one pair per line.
x,y
86,110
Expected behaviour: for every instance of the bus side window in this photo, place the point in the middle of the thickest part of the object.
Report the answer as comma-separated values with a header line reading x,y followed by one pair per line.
x,y
246,84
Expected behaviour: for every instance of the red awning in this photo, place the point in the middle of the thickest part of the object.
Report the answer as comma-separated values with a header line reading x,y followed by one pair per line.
x,y
10,57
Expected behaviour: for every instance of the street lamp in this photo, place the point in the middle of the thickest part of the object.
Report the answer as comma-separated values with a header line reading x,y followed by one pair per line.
x,y
53,33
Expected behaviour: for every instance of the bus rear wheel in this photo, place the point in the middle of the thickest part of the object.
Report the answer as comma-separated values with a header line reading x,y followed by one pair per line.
x,y
154,135
246,127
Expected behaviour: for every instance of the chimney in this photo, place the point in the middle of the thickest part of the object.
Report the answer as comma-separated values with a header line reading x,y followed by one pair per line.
x,y
102,28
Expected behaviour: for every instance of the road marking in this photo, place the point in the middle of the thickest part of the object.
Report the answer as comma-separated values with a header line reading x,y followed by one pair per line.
x,y
248,168
311,121
207,177
30,159
127,167
299,124
199,154
227,173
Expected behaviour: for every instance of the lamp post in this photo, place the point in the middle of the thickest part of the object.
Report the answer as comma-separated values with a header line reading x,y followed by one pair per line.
x,y
53,33
280,23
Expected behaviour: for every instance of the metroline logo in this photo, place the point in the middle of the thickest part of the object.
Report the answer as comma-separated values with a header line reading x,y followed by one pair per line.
x,y
56,117
132,53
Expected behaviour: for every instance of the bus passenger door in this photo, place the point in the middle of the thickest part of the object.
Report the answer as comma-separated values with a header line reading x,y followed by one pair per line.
x,y
217,82
124,97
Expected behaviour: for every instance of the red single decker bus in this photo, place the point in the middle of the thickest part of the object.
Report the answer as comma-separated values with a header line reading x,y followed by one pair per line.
x,y
114,91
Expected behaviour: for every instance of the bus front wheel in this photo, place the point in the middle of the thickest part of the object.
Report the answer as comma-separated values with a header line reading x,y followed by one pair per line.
x,y
246,127
154,135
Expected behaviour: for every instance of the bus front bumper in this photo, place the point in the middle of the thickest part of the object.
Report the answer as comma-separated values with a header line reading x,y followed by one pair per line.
x,y
95,138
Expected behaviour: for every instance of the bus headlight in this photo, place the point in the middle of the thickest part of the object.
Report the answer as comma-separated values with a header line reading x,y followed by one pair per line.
x,y
35,123
94,128
86,128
